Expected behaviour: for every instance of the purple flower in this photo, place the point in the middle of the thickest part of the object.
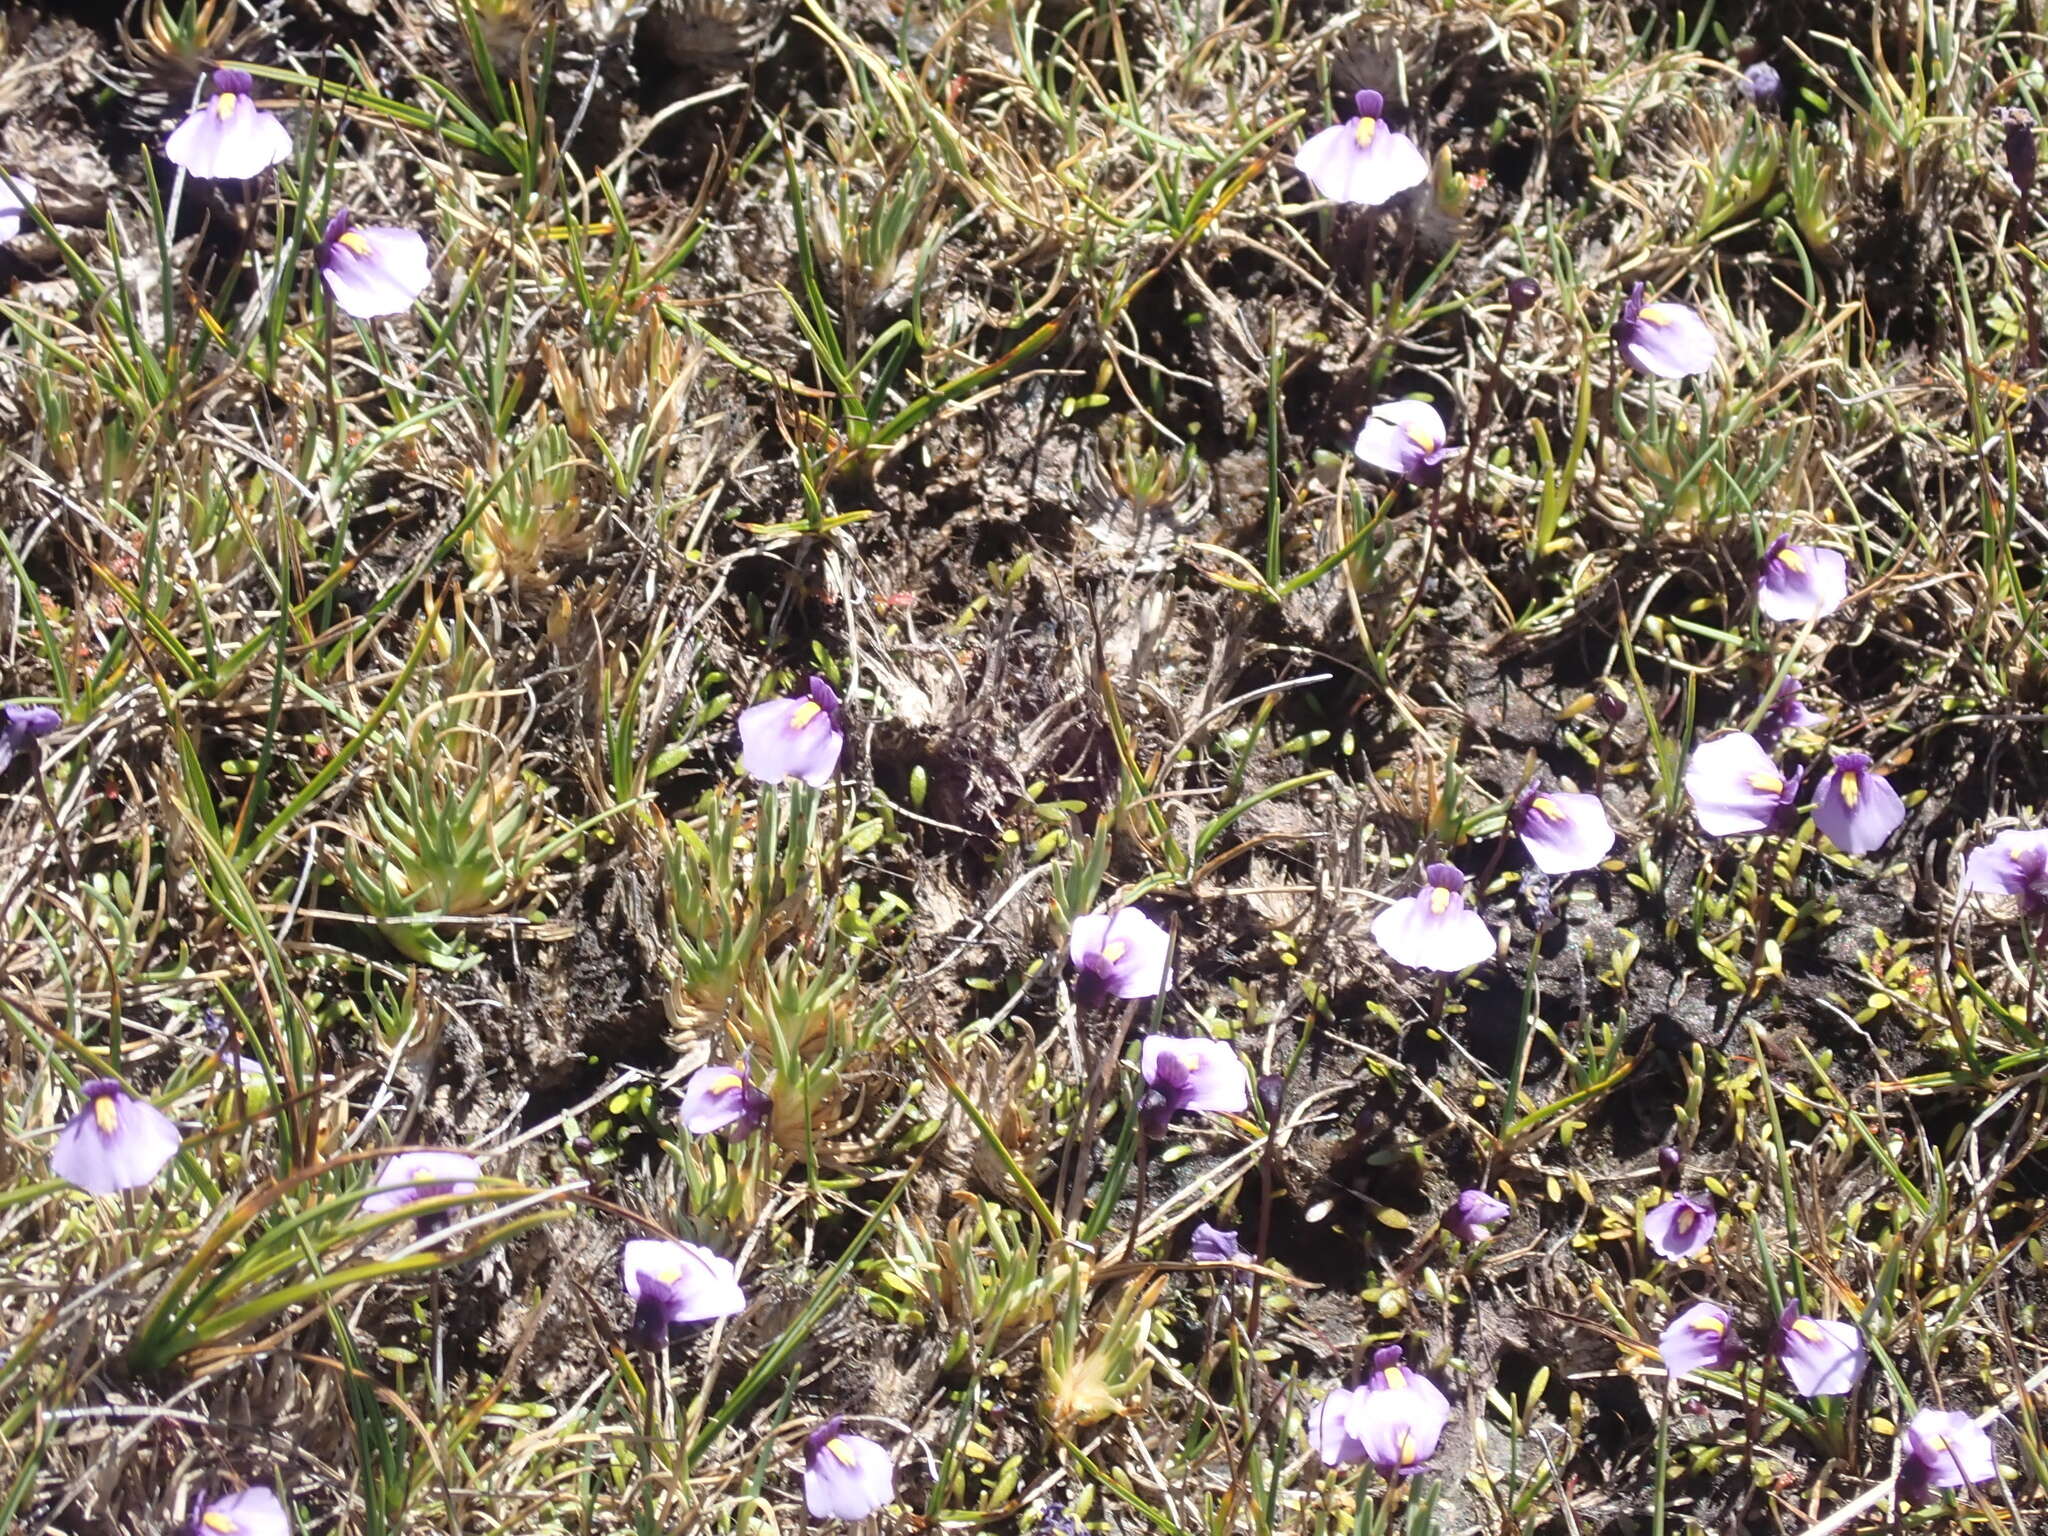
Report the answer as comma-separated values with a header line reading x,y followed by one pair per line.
x,y
1698,1339
1799,583
1681,1226
1362,161
116,1142
794,738
252,1512
1736,788
1433,929
718,1098
409,1177
2022,148
1821,1358
1473,1214
846,1477
1198,1075
1786,713
17,196
229,138
1394,1421
1212,1245
1405,438
671,1284
1856,809
22,726
1760,86
1120,954
1946,1450
1665,339
371,269
1563,832
2012,864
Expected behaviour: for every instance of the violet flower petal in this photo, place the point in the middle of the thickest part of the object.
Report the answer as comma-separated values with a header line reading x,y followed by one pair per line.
x,y
1681,1226
1698,1339
1125,952
1735,787
1801,583
115,1142
1855,808
1564,833
1363,161
1821,1357
1434,929
228,137
846,1476
794,738
372,270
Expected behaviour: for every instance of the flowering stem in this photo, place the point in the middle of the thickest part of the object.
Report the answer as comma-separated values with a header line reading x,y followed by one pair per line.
x,y
1524,1033
1663,1460
1138,1198
1482,418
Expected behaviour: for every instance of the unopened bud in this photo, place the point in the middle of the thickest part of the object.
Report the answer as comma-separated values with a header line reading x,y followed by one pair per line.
x,y
1523,293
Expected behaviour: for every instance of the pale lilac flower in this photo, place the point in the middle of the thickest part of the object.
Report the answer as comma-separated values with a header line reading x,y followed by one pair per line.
x,y
410,1177
794,738
252,1512
846,1477
722,1098
1681,1226
1760,86
1394,1421
22,726
1856,809
115,1142
1213,1245
1362,161
1822,1358
1434,929
1118,954
17,196
671,1284
1945,1450
1473,1215
371,269
1786,713
1205,1076
229,138
1801,583
1563,832
1736,788
1405,438
1701,1338
2012,864
1668,340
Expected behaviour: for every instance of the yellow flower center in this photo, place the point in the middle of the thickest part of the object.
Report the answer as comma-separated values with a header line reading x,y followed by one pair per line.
x,y
1439,899
1937,1446
1422,439
840,1451
1362,131
107,1113
1712,1327
1769,783
806,712
224,105
1852,788
353,242
214,1520
1656,314
725,1082
1789,558
1809,1330
1115,950
1395,1378
1546,806
1407,1449
669,1273
1684,1220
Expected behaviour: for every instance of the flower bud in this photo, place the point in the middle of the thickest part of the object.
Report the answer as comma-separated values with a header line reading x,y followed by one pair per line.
x,y
1524,294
